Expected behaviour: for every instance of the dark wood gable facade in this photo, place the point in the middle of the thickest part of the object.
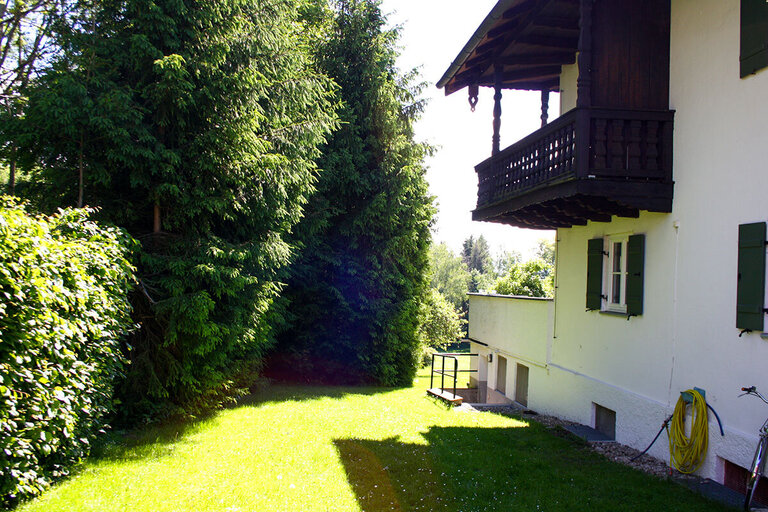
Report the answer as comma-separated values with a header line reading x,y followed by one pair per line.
x,y
612,154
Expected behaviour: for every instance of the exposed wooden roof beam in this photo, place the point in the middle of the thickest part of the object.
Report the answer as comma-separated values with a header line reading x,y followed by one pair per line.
x,y
548,84
557,22
503,28
551,216
490,46
607,205
572,209
524,73
531,73
527,12
520,9
526,220
539,59
549,41
545,84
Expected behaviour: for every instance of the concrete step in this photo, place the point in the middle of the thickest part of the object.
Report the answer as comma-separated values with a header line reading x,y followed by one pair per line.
x,y
445,395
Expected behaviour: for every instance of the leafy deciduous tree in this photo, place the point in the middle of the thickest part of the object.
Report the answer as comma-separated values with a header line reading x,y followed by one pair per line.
x,y
530,279
505,261
545,250
448,275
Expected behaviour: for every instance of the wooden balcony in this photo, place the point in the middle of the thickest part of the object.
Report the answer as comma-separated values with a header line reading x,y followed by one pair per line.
x,y
589,164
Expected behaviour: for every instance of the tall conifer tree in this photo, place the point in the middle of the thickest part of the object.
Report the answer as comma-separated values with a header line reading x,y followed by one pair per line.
x,y
357,289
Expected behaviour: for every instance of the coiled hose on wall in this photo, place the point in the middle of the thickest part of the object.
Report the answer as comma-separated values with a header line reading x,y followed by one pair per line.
x,y
687,453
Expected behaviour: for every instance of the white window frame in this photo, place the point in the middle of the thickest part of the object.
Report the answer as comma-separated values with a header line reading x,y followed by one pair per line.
x,y
609,273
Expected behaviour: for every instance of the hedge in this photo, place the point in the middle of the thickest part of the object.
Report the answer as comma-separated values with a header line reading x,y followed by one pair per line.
x,y
64,283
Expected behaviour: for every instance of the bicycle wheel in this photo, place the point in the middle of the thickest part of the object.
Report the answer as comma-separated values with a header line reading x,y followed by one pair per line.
x,y
756,470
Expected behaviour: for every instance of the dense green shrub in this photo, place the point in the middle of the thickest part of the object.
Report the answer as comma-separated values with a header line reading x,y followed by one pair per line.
x,y
64,310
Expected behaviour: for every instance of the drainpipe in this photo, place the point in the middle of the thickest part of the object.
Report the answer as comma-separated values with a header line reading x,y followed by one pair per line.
x,y
676,226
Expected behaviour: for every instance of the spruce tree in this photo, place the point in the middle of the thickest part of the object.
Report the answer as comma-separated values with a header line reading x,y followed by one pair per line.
x,y
194,124
356,291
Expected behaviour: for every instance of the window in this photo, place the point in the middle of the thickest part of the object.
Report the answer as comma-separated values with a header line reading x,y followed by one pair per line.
x,y
615,274
754,36
615,285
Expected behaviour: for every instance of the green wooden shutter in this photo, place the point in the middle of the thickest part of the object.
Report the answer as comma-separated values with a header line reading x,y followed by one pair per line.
x,y
750,290
635,274
594,273
754,36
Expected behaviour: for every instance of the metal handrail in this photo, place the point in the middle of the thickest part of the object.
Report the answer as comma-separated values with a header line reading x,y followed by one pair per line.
x,y
442,372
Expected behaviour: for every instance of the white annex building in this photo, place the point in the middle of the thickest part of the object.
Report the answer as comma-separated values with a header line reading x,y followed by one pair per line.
x,y
656,179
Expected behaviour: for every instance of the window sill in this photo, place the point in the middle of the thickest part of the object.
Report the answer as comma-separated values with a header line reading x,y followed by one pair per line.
x,y
613,313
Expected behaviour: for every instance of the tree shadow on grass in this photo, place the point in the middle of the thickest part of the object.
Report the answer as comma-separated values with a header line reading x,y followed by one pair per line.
x,y
281,392
501,469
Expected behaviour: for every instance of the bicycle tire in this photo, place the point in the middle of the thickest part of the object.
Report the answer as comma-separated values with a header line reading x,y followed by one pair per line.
x,y
756,470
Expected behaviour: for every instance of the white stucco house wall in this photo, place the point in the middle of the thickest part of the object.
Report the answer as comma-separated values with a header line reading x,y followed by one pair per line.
x,y
599,359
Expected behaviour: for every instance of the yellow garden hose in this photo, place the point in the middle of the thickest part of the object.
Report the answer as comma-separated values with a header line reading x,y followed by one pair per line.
x,y
687,453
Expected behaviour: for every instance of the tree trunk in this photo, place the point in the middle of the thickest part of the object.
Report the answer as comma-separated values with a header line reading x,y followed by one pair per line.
x,y
12,174
80,175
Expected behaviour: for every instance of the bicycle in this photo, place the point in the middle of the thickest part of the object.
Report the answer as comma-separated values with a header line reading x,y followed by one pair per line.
x,y
758,462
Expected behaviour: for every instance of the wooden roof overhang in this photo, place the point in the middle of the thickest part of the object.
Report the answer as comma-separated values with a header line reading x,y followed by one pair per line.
x,y
522,43
592,163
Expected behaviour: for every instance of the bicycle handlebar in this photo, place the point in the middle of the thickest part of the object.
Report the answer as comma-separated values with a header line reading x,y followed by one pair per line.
x,y
752,390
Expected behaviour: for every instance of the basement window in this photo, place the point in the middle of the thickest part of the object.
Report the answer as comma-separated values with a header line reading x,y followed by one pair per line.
x,y
605,421
735,477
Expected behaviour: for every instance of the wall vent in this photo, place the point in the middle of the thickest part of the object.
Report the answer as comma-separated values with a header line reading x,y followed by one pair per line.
x,y
605,421
735,477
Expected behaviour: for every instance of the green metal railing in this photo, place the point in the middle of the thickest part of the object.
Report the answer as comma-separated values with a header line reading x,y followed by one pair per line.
x,y
451,374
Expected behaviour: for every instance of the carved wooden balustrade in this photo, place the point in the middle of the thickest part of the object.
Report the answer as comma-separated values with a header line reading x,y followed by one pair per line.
x,y
626,146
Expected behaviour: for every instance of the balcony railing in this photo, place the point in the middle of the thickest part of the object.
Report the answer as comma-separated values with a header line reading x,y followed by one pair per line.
x,y
627,146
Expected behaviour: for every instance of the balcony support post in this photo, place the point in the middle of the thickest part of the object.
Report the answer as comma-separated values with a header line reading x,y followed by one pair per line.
x,y
496,141
584,82
544,108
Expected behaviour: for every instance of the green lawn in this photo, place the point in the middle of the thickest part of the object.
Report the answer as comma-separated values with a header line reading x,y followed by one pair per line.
x,y
299,449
